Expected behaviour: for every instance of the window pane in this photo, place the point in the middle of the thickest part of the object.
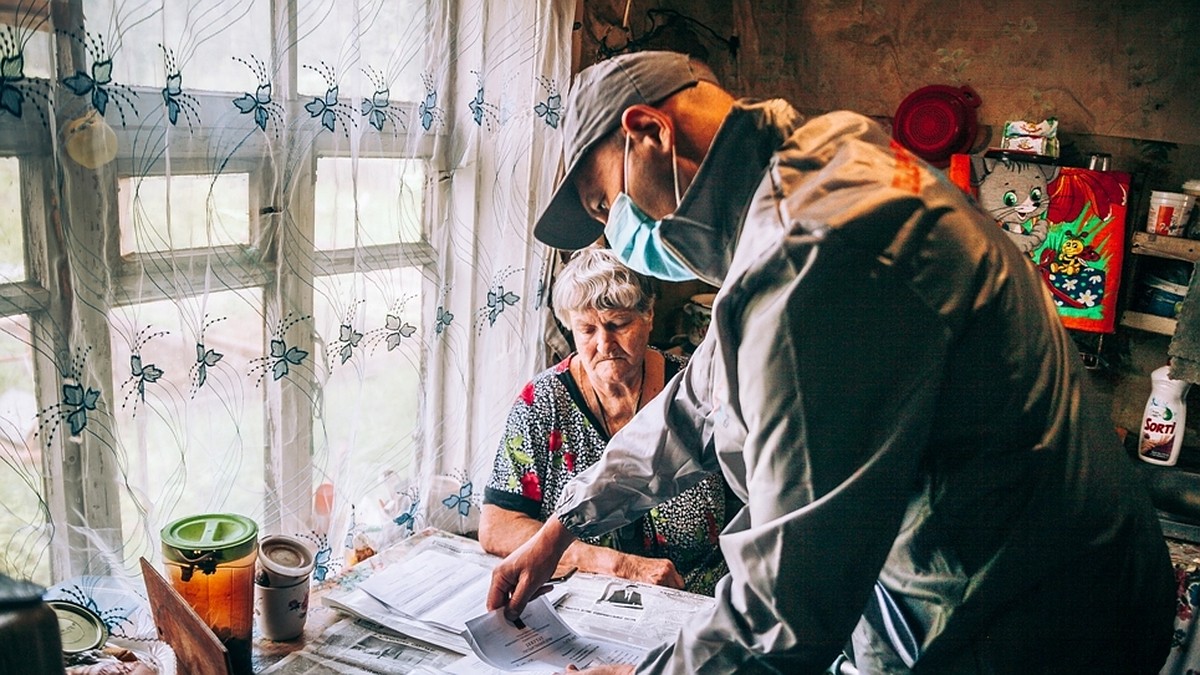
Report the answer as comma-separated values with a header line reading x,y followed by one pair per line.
x,y
194,443
24,531
196,35
205,211
368,409
368,202
12,229
384,39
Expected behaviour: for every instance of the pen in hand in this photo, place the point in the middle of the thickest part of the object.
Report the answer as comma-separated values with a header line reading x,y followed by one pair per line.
x,y
560,578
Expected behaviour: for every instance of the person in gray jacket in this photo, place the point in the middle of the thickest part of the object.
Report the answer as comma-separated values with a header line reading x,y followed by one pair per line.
x,y
885,384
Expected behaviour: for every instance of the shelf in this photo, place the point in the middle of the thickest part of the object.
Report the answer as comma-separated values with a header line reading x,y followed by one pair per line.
x,y
1176,248
1148,322
1176,529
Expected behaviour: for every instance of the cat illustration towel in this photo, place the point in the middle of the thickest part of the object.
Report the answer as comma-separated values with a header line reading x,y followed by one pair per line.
x,y
1069,221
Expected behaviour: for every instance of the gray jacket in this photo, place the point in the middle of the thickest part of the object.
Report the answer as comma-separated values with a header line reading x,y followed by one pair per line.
x,y
888,388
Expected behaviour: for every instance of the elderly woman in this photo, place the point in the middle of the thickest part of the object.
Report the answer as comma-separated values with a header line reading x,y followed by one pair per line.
x,y
563,419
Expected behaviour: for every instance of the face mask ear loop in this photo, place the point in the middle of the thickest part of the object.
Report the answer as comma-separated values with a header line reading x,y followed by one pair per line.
x,y
625,172
675,170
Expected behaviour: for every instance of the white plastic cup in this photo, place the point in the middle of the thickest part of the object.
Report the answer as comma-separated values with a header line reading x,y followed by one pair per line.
x,y
1169,213
281,610
1192,189
283,560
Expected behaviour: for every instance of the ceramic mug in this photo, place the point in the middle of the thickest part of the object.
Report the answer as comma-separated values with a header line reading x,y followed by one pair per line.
x,y
281,610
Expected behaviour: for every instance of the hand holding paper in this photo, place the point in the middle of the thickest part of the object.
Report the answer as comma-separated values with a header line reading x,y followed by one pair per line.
x,y
520,577
543,644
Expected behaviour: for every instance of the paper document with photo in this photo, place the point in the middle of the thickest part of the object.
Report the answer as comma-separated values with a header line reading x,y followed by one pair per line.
x,y
434,587
629,613
544,642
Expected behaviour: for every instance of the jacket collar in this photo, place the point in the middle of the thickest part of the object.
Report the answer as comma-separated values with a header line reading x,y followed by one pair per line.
x,y
703,231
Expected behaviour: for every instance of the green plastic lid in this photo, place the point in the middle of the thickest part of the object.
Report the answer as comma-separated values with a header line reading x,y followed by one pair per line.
x,y
215,536
80,627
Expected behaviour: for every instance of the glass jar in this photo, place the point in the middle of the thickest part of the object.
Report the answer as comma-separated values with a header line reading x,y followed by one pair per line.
x,y
209,560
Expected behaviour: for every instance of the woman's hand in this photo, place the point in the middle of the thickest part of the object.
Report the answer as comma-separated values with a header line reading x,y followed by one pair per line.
x,y
658,571
603,670
502,532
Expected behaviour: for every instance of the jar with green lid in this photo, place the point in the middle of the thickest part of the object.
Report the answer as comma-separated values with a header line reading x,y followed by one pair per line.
x,y
209,560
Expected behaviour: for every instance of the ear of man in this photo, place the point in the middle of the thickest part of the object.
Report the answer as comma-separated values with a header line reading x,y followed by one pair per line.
x,y
648,125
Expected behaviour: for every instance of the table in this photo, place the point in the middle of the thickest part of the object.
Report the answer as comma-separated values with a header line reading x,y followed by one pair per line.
x,y
639,616
594,604
320,616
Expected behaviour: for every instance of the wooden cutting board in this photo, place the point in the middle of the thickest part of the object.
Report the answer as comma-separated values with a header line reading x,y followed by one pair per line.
x,y
197,649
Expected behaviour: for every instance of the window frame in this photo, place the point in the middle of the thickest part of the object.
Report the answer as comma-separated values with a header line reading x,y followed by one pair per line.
x,y
80,488
240,266
32,298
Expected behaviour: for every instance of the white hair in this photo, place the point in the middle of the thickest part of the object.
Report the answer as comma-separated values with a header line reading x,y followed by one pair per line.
x,y
595,278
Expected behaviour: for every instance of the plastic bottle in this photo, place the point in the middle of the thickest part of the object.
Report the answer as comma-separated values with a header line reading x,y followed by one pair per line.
x,y
1162,422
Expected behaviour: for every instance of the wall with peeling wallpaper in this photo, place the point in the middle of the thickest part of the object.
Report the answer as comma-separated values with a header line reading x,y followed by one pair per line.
x,y
1122,77
1128,69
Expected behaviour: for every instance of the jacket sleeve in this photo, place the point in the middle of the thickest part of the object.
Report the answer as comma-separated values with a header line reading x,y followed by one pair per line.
x,y
665,449
831,373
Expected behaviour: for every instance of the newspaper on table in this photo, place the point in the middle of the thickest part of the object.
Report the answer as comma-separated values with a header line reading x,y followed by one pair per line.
x,y
358,603
442,582
361,648
540,641
640,615
438,589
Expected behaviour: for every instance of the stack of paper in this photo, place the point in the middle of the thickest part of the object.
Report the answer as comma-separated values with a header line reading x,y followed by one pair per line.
x,y
432,587
361,648
436,592
358,604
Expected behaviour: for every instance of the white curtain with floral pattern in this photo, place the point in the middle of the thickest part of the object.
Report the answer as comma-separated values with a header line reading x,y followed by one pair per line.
x,y
265,257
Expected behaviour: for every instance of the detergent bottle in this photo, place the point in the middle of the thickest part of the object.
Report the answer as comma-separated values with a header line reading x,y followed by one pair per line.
x,y
1162,422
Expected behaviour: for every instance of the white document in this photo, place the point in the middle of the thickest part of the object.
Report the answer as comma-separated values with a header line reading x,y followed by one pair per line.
x,y
635,614
544,643
359,604
434,587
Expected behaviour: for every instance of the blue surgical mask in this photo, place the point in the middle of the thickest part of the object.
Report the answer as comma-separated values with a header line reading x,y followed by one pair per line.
x,y
637,238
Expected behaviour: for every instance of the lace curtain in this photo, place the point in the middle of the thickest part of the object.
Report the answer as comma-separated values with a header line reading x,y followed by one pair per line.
x,y
269,258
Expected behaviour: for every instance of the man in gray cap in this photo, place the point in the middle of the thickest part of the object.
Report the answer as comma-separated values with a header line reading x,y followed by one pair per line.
x,y
886,385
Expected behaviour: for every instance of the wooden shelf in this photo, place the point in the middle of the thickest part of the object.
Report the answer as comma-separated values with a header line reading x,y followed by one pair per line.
x,y
1148,322
1176,248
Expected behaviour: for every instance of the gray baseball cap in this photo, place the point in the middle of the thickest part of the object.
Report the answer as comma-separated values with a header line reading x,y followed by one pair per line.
x,y
599,97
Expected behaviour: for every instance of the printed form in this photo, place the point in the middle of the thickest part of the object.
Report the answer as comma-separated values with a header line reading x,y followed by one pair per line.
x,y
543,642
434,587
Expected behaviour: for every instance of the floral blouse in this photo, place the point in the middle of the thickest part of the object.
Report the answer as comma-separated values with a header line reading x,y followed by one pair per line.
x,y
552,435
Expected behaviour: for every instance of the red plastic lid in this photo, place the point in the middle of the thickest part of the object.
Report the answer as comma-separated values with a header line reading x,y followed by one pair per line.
x,y
937,121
